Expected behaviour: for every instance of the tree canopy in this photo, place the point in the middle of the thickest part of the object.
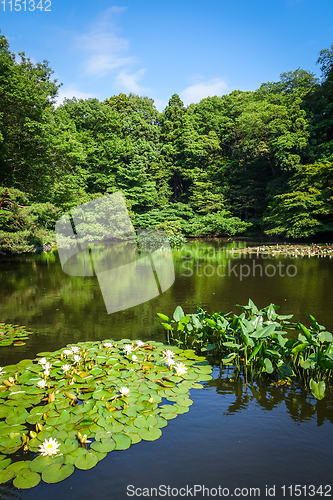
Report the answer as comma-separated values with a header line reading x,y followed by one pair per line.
x,y
259,162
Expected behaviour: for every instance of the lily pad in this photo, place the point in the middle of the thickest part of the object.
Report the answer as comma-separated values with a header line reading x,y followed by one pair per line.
x,y
27,480
104,446
122,441
150,433
6,475
41,462
86,461
57,472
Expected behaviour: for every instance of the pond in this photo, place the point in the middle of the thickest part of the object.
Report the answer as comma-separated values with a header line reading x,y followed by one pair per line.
x,y
234,436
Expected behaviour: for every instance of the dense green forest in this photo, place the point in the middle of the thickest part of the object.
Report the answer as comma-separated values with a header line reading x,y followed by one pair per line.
x,y
248,162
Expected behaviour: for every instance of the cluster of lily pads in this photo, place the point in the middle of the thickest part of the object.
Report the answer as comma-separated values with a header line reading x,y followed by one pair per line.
x,y
293,251
71,407
12,334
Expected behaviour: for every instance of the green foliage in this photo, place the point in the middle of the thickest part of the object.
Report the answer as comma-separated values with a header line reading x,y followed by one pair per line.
x,y
218,167
217,224
12,334
182,218
71,407
256,341
307,209
22,227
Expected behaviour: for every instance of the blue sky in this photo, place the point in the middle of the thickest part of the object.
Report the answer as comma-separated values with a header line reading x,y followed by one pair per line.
x,y
193,48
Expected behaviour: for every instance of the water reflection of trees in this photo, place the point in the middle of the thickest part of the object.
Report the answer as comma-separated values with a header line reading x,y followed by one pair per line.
x,y
299,405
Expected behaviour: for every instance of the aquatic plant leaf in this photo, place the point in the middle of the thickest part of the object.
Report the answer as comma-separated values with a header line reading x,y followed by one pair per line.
x,y
271,314
318,389
122,441
6,475
4,462
57,472
104,446
17,466
268,365
27,480
325,337
150,433
286,370
39,463
135,438
178,315
86,461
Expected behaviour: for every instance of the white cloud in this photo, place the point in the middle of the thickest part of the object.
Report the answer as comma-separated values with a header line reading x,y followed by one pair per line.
x,y
102,48
194,93
129,82
69,92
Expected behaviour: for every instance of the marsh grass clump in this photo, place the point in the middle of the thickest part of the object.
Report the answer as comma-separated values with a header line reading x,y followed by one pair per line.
x,y
71,407
258,343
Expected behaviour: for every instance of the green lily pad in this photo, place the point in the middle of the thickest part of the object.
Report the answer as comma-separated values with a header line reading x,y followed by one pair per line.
x,y
68,446
6,475
150,433
27,480
135,438
86,461
17,466
104,446
122,441
40,463
57,472
4,463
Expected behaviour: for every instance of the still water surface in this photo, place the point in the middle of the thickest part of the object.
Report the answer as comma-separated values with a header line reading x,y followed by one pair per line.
x,y
233,436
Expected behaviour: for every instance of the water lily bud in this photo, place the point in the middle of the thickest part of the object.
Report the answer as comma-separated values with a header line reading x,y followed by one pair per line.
x,y
33,434
26,447
11,379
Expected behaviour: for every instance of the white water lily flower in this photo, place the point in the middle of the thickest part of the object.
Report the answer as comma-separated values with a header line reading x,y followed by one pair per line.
x,y
124,391
47,366
49,447
180,369
108,345
67,352
66,368
128,348
134,358
139,343
168,353
169,361
2,370
77,358
42,361
46,373
41,384
75,349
